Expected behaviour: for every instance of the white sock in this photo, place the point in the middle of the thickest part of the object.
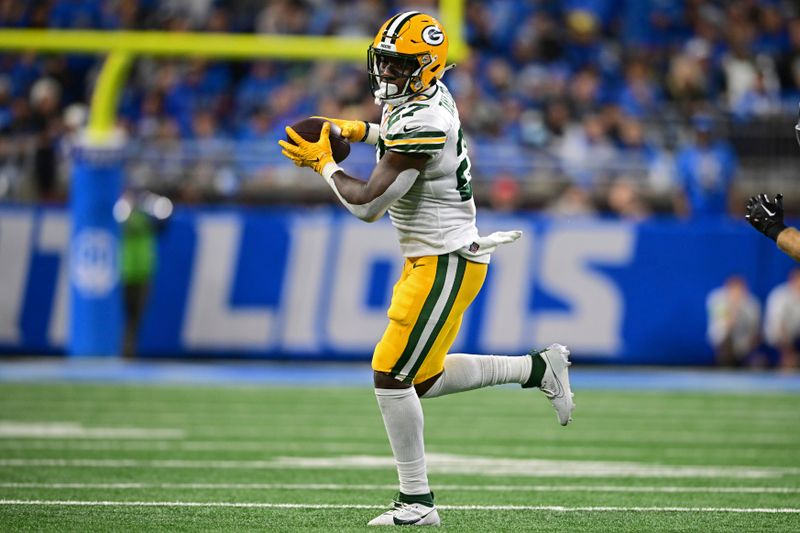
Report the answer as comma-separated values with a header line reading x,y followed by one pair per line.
x,y
402,416
464,372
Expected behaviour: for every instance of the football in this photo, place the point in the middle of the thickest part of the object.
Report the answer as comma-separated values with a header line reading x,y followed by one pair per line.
x,y
309,129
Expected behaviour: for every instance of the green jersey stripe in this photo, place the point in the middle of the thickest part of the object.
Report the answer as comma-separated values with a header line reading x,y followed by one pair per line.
x,y
460,268
416,147
381,148
415,135
424,315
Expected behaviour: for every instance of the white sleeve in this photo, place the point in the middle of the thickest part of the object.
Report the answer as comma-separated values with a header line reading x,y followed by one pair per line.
x,y
375,209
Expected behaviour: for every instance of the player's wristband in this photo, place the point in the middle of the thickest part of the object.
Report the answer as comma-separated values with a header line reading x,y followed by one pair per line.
x,y
329,170
372,133
774,230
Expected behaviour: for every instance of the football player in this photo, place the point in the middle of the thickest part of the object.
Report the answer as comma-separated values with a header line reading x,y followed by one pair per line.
x,y
422,178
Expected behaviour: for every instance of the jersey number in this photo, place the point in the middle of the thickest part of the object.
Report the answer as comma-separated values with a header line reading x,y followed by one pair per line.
x,y
463,177
406,112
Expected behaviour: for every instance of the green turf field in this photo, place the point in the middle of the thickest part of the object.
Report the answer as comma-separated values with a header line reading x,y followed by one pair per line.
x,y
166,458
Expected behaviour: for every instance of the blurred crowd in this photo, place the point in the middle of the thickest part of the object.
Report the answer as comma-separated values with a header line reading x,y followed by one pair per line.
x,y
575,106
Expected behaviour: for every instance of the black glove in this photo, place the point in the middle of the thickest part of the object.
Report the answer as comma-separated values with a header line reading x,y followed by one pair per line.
x,y
765,215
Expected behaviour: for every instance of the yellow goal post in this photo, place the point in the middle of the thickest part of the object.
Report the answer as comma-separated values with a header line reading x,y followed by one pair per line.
x,y
121,47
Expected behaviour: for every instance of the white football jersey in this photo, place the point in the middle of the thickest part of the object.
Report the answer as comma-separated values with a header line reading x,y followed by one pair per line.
x,y
437,215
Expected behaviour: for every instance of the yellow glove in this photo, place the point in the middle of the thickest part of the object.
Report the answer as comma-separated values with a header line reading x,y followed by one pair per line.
x,y
309,154
352,130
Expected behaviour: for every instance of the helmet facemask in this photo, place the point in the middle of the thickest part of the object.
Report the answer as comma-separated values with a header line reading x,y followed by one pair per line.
x,y
395,77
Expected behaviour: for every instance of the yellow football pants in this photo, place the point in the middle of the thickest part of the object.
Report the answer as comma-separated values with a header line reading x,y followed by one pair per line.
x,y
428,302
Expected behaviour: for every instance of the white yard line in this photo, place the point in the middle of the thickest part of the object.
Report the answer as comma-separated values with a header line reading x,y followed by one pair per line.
x,y
642,408
75,430
437,463
184,445
260,505
493,466
368,487
562,452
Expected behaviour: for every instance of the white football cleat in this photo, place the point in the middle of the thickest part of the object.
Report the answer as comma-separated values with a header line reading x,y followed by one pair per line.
x,y
408,514
555,381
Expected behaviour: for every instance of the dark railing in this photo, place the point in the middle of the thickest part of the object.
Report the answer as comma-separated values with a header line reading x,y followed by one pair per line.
x,y
254,171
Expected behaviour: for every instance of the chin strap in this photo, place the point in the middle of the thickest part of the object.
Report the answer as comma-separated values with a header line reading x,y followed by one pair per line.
x,y
403,99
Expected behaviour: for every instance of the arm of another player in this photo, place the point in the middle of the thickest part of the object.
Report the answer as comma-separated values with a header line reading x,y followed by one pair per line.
x,y
789,241
767,217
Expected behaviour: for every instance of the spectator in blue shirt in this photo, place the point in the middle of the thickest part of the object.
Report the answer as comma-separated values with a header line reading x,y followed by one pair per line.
x,y
640,95
705,170
651,24
76,14
255,88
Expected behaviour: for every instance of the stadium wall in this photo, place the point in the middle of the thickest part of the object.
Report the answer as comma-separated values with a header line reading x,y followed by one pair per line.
x,y
314,284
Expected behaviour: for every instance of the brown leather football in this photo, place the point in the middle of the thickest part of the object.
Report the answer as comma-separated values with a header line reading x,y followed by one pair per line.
x,y
309,129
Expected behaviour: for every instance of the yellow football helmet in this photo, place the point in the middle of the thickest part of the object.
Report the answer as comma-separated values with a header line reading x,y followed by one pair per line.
x,y
406,57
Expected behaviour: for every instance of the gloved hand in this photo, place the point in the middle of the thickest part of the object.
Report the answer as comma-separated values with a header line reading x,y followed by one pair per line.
x,y
352,130
309,154
765,215
487,245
